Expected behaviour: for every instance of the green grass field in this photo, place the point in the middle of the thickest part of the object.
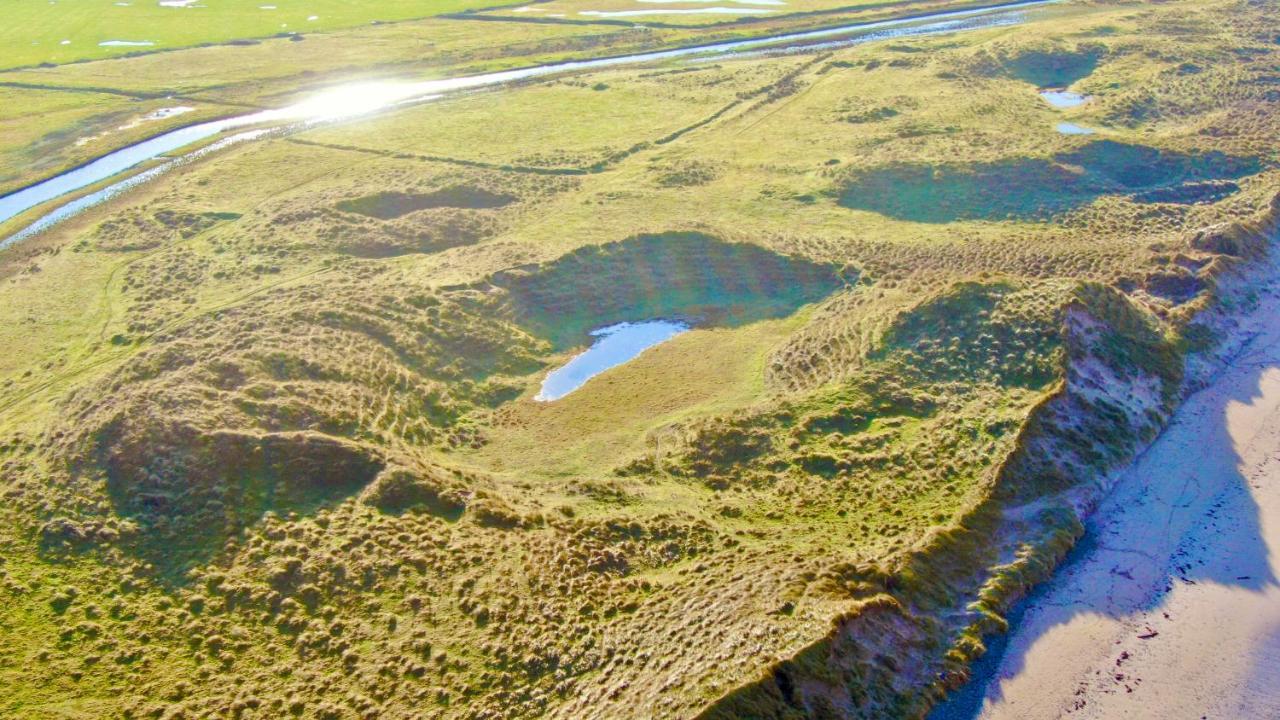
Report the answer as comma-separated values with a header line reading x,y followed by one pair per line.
x,y
91,108
270,446
74,30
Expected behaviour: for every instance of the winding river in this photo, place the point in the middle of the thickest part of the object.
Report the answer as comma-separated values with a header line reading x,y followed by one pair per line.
x,y
349,101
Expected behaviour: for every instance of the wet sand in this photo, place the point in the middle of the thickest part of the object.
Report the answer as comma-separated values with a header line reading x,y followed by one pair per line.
x,y
1171,607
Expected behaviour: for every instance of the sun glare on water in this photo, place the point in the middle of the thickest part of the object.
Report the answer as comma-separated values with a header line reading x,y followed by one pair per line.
x,y
352,100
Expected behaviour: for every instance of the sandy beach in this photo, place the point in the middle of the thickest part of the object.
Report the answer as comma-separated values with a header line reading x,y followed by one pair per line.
x,y
1171,606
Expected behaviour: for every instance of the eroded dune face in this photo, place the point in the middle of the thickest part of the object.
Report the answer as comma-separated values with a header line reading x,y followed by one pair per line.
x,y
274,444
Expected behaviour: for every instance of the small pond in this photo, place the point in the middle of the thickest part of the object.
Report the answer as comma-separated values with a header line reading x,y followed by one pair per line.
x,y
1063,98
614,345
1067,128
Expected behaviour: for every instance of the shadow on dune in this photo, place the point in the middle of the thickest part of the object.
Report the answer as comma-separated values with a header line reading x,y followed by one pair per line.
x,y
1043,188
674,275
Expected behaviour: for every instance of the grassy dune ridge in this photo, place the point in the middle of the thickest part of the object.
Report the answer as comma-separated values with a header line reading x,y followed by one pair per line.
x,y
270,447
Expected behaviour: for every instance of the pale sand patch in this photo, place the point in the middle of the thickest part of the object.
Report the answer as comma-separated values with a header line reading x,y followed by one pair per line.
x,y
1185,552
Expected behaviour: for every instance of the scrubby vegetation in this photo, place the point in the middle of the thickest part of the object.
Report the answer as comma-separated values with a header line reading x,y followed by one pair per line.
x,y
269,445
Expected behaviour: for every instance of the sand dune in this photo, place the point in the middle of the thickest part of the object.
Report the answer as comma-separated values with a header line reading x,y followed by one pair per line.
x,y
1171,607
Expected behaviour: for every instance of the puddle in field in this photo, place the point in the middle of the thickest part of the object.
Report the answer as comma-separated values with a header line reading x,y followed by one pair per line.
x,y
1067,128
614,345
736,2
683,11
168,112
161,114
924,30
126,43
1063,98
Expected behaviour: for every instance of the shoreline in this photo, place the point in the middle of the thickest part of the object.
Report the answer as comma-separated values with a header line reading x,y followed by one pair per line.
x,y
1170,604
